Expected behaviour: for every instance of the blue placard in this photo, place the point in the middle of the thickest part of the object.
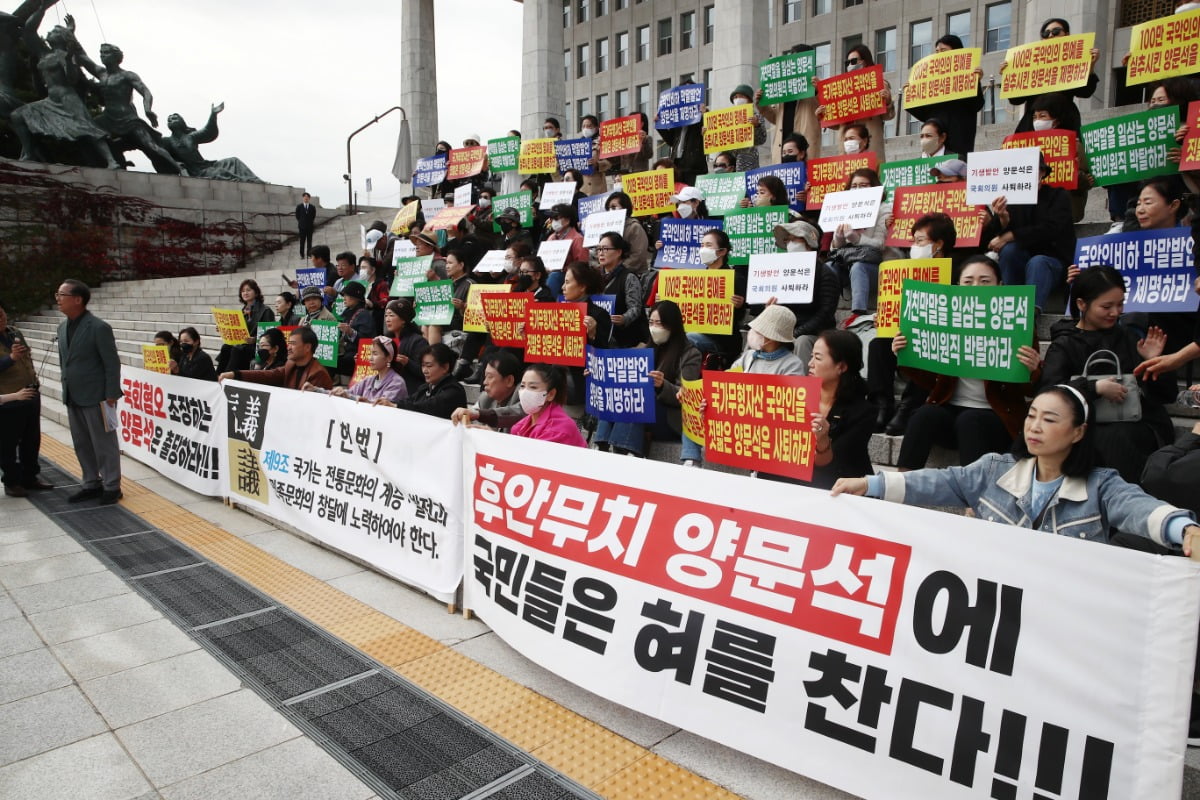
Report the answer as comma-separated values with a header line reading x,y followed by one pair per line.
x,y
309,277
590,205
680,106
793,175
606,301
619,386
430,170
574,154
681,242
1156,265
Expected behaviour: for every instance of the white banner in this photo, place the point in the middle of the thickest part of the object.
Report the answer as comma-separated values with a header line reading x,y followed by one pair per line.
x,y
492,261
462,196
857,208
554,253
886,650
560,193
788,277
1012,174
601,222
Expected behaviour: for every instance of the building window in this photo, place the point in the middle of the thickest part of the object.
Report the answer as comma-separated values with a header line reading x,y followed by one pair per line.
x,y
820,7
687,76
581,14
792,11
642,97
663,85
566,65
601,8
583,107
621,57
687,30
959,24
601,55
643,42
920,40
853,3
602,106
885,49
707,75
622,103
664,37
848,43
581,60
620,5
566,13
999,27
709,23
823,54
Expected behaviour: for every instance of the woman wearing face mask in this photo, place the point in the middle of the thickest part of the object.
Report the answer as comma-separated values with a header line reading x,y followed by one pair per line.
x,y
747,157
512,262
958,118
934,137
819,313
860,251
720,349
377,289
634,162
689,204
481,220
285,310
410,344
589,128
638,260
444,188
272,350
384,384
193,362
769,191
563,227
855,139
1050,113
1069,120
531,277
723,162
859,57
542,390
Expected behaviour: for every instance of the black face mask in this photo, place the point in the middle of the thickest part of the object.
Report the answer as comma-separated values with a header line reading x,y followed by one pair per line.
x,y
185,347
505,226
788,159
524,283
264,355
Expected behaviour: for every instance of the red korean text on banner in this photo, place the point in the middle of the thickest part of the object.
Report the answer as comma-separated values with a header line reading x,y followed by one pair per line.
x,y
504,314
829,175
555,333
621,136
910,203
465,162
1189,157
362,361
761,422
1061,150
750,562
852,95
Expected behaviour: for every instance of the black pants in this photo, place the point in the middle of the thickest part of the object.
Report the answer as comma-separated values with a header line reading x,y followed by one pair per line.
x,y
881,375
305,241
20,441
974,431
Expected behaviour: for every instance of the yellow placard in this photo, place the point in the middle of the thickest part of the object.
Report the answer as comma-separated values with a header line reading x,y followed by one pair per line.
x,y
473,318
945,76
405,218
729,128
1164,48
892,275
1051,65
537,156
156,358
691,395
704,297
650,191
231,325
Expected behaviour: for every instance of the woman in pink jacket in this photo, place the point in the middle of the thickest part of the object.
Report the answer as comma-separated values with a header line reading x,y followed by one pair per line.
x,y
543,389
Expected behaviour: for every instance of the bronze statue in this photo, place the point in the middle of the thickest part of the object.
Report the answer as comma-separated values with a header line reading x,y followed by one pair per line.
x,y
184,144
12,29
126,130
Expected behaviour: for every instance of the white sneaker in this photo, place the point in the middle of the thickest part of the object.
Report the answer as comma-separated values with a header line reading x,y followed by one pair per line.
x,y
688,463
1117,227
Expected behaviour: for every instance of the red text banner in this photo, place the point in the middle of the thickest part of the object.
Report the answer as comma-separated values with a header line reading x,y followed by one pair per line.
x,y
505,313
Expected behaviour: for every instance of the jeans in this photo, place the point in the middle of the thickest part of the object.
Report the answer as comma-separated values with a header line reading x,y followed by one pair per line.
x,y
863,279
628,437
690,451
703,343
1018,268
973,431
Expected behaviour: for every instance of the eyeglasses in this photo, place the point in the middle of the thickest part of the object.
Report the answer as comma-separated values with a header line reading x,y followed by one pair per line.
x,y
850,62
528,272
65,294
602,249
1050,33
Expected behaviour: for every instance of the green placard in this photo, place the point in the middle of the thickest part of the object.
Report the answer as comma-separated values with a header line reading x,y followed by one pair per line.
x,y
752,230
790,77
503,153
521,201
1132,147
967,331
914,172
723,192
327,341
434,302
408,271
339,302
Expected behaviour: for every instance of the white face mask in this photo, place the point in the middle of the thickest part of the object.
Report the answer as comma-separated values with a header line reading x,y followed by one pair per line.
x,y
363,275
708,255
531,401
557,225
720,169
510,267
762,199
797,247
740,101
851,146
659,335
921,251
548,132
685,210
1043,124
588,132
755,340
485,202
929,145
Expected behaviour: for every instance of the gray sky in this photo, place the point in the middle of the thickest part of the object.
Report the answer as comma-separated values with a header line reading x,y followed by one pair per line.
x,y
298,77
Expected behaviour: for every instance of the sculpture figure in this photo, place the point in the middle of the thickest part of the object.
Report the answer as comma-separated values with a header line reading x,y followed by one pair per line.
x,y
184,144
12,28
126,130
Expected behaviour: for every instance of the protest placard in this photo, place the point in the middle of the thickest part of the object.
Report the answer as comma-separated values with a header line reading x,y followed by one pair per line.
x,y
586,206
405,217
910,203
830,174
409,270
503,153
752,230
362,362
522,201
618,386
433,302
1164,48
1051,65
574,154
621,136
788,277
967,331
892,275
794,177
761,422
723,192
465,162
537,156
473,319
430,171
704,297
1131,147
942,77
1060,150
651,191
328,338
729,128
681,242
156,358
231,325
311,276
912,172
1157,266
852,95
1012,174
690,400
493,261
560,192
788,77
555,333
554,252
505,313
857,208
601,222
462,195
432,206
448,217
679,106
1189,157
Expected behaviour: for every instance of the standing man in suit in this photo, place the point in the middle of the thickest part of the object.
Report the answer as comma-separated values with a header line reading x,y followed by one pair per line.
x,y
91,384
306,218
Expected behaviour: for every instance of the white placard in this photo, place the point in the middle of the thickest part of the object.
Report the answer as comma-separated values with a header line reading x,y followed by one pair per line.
x,y
362,235
1012,174
857,208
788,277
462,196
404,249
432,206
554,253
600,223
492,261
555,193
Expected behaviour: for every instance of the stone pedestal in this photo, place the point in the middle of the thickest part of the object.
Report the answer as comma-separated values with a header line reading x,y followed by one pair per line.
x,y
418,74
741,44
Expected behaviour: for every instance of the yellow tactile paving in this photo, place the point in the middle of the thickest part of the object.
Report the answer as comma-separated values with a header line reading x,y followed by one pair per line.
x,y
586,752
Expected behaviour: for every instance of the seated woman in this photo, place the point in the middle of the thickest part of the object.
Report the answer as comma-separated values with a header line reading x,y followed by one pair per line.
x,y
819,313
858,251
975,416
385,384
580,282
542,391
272,350
410,344
1049,483
441,393
845,420
168,340
193,362
254,310
285,310
531,272
499,404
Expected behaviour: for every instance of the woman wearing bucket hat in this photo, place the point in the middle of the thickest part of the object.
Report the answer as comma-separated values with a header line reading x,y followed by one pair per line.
x,y
818,314
767,351
747,157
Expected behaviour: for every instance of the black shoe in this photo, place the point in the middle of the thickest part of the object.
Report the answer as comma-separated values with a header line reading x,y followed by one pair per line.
x,y
36,485
16,491
1193,737
476,377
462,370
899,422
883,413
108,498
85,494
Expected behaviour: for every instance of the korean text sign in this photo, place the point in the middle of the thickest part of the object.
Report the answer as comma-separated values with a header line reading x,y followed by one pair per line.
x,y
621,136
913,172
405,217
1051,65
691,400
503,153
465,162
892,275
793,175
574,154
704,296
555,333
945,76
1190,148
599,223
1164,48
679,106
1132,147
433,302
156,358
967,331
681,242
522,201
231,325
761,422
362,362
651,191
537,156
752,230
723,192
788,277
431,170
504,314
729,128
447,218
619,387
1156,264
910,203
473,319
788,77
328,341
852,95
857,208
1059,148
1012,174
408,272
830,174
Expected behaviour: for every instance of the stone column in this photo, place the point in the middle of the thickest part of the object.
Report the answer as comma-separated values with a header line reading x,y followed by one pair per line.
x,y
741,44
418,74
542,88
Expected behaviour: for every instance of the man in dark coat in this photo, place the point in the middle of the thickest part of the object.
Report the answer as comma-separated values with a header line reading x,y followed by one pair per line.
x,y
306,218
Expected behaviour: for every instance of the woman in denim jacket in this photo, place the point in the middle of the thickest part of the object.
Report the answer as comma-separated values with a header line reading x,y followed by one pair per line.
x,y
1051,485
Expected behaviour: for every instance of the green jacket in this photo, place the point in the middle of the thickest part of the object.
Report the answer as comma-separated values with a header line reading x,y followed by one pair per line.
x,y
91,370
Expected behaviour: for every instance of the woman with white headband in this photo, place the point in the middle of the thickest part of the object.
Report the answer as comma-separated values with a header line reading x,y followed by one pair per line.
x,y
1048,483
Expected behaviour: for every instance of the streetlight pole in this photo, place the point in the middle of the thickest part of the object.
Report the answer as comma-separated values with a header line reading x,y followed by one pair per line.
x,y
349,172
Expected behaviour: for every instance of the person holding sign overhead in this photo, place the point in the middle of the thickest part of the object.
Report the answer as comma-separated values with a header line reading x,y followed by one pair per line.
x,y
860,57
638,259
818,314
795,117
956,119
1070,120
747,157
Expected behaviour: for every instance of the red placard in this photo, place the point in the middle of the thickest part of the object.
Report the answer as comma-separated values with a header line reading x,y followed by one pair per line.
x,y
465,162
621,136
829,175
504,313
1190,155
362,361
555,333
910,203
761,422
852,95
1061,150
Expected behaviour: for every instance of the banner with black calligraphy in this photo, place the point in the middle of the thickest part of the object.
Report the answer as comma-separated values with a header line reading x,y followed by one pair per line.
x,y
829,175
1164,48
704,297
910,203
505,314
852,95
1060,149
619,386
1051,65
